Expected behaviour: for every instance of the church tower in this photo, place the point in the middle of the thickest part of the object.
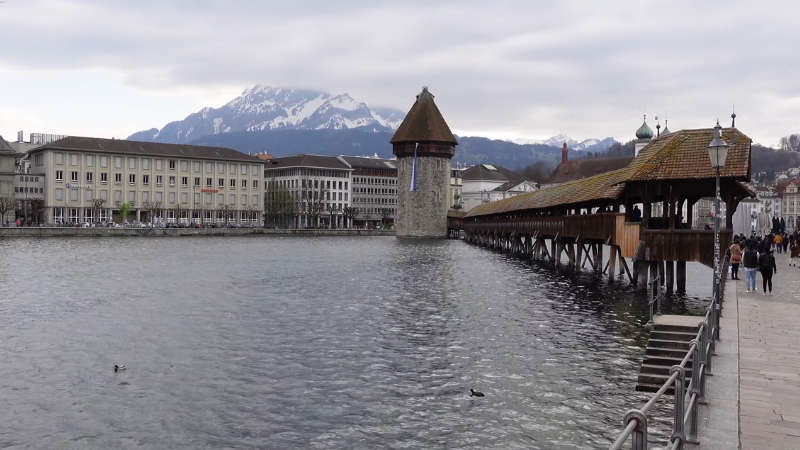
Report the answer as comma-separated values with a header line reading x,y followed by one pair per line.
x,y
423,145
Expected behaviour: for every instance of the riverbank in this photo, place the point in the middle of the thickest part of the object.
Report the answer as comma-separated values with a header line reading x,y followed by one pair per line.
x,y
147,232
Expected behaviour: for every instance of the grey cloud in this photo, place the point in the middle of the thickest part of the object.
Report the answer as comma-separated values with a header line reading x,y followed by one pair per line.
x,y
534,68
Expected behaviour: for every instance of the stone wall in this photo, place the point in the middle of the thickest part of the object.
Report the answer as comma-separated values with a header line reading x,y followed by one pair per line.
x,y
106,232
422,213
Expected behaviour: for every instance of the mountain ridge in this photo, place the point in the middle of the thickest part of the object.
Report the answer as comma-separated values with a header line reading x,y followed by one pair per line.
x,y
268,108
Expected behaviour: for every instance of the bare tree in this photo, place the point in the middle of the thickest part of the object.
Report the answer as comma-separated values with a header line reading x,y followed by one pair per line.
x,y
37,206
97,206
7,204
386,214
351,213
227,210
312,198
179,211
152,208
332,210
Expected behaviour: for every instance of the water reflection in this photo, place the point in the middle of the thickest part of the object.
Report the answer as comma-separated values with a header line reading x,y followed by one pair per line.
x,y
309,343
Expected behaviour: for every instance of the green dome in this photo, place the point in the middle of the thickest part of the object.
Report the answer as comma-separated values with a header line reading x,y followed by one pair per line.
x,y
644,132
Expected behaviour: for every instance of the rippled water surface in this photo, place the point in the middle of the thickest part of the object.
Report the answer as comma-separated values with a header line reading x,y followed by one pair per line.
x,y
318,343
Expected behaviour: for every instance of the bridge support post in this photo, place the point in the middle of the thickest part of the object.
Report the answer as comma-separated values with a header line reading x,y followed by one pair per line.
x,y
612,263
598,268
653,272
680,276
669,275
640,267
661,268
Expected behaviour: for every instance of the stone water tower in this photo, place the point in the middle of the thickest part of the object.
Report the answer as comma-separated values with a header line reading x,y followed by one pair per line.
x,y
423,145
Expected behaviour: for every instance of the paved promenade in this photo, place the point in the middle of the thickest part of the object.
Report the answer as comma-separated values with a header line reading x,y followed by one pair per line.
x,y
769,362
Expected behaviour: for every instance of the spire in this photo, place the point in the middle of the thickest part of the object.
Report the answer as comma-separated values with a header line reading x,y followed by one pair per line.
x,y
666,127
644,132
733,117
658,128
564,154
424,123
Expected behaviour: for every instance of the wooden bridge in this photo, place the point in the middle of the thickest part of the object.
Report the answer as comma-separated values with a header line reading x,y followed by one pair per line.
x,y
578,219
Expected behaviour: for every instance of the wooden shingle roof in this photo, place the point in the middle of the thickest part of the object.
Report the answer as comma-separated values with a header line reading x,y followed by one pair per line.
x,y
583,168
605,186
424,123
684,155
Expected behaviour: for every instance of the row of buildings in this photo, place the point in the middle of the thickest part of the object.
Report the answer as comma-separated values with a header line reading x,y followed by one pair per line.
x,y
95,180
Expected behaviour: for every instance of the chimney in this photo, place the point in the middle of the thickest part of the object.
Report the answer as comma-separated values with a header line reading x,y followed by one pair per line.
x,y
564,151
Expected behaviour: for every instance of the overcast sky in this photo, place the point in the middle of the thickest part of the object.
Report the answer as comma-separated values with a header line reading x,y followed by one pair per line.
x,y
502,69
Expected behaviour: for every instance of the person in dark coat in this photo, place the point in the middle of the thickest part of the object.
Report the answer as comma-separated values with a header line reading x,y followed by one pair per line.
x,y
767,267
750,263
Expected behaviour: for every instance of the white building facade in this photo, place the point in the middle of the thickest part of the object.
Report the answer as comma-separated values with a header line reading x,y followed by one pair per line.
x,y
374,190
90,179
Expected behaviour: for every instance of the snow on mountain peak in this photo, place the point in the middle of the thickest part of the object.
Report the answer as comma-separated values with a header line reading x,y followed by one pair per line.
x,y
267,108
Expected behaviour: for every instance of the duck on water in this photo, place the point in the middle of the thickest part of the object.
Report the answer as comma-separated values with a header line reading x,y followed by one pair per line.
x,y
474,393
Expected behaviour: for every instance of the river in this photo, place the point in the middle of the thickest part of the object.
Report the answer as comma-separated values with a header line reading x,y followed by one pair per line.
x,y
310,343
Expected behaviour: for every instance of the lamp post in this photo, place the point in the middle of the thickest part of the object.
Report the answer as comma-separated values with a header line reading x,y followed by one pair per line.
x,y
717,152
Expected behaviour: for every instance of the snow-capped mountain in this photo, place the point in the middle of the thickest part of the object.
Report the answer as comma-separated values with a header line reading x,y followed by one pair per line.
x,y
268,108
591,145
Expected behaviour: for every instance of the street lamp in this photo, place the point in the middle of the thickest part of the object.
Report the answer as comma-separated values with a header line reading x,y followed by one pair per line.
x,y
717,152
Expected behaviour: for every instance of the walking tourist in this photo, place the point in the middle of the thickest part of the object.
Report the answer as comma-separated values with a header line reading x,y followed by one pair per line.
x,y
750,263
736,259
767,267
778,241
794,253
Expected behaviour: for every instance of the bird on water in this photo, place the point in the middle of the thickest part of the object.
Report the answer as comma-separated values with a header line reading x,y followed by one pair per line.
x,y
119,368
474,393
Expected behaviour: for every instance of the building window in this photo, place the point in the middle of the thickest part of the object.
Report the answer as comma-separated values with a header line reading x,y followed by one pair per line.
x,y
221,199
244,183
172,181
89,177
73,195
159,197
184,197
209,198
172,197
244,169
345,185
131,179
221,183
74,176
184,181
39,160
145,196
171,164
59,175
345,196
233,183
255,184
196,181
118,178
104,161
209,182
89,195
117,162
244,199
104,177
209,167
196,198
146,180
221,168
233,169
104,194
232,199
184,166
73,160
146,163
255,170
197,166
59,194
59,158
132,197
159,164
255,200
159,180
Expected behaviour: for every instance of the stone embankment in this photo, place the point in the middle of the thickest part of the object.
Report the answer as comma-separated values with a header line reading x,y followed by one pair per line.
x,y
104,232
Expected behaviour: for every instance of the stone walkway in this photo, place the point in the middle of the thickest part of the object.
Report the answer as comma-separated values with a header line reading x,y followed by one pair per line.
x,y
769,362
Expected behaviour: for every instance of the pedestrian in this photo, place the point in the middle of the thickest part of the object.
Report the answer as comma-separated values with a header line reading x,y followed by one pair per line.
x,y
778,241
750,263
794,253
736,259
767,267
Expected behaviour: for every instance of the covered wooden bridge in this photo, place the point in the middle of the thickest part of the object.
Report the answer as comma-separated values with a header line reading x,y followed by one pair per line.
x,y
579,219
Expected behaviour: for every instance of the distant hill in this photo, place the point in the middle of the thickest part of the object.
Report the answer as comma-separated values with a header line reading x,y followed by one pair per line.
x,y
355,142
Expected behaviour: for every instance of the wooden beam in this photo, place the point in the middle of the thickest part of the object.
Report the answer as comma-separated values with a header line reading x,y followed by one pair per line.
x,y
612,261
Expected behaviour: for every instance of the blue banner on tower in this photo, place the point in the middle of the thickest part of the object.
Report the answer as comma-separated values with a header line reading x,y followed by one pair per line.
x,y
414,169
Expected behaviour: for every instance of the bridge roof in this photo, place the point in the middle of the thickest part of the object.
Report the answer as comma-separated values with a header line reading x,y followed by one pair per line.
x,y
684,155
606,186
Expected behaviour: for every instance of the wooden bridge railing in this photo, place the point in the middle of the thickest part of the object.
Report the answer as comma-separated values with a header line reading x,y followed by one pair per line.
x,y
589,226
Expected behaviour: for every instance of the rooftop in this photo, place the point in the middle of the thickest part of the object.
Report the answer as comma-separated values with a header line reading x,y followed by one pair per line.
x,y
584,168
122,146
314,161
424,123
489,172
360,162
